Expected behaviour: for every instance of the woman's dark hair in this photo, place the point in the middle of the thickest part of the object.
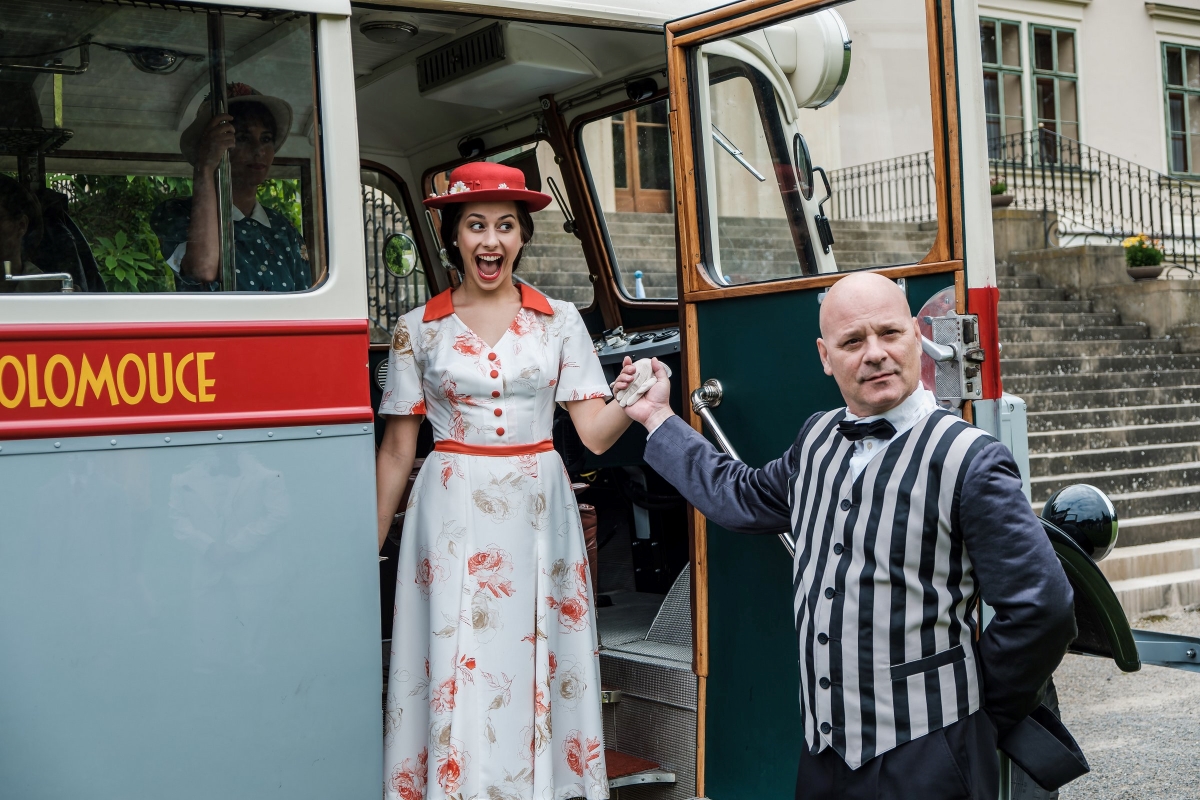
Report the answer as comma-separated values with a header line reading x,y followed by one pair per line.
x,y
17,201
452,215
251,111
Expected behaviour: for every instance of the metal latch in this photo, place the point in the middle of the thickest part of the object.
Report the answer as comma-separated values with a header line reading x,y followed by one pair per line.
x,y
957,355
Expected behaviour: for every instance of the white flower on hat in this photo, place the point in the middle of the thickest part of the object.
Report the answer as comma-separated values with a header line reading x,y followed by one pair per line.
x,y
502,186
458,188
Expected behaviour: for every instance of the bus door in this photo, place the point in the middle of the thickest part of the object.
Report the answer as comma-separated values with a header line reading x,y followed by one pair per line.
x,y
807,142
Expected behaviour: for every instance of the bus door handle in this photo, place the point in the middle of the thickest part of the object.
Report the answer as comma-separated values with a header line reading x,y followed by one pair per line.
x,y
704,400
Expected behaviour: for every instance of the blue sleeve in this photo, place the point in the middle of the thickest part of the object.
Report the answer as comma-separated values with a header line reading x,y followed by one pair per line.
x,y
728,492
1020,578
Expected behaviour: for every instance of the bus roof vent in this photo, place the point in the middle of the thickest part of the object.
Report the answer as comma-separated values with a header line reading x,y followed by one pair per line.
x,y
461,57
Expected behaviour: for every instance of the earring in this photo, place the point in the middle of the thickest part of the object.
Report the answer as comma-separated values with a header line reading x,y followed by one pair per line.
x,y
454,244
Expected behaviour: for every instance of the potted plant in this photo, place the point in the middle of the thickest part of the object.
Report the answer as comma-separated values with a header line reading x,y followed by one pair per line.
x,y
1000,196
1143,257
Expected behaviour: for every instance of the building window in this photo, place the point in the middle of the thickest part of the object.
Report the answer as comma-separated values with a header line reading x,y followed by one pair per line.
x,y
1003,99
1181,68
1055,80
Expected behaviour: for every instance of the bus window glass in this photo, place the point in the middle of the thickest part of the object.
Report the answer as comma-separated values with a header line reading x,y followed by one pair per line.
x,y
112,158
392,288
635,196
873,200
553,262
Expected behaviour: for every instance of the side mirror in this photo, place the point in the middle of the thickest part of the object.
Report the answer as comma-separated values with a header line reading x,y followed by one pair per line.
x,y
1085,514
804,166
400,254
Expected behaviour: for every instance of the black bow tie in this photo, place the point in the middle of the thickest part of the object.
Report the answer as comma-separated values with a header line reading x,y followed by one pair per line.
x,y
857,431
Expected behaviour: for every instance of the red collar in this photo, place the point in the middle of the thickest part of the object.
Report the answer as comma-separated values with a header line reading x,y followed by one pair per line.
x,y
443,305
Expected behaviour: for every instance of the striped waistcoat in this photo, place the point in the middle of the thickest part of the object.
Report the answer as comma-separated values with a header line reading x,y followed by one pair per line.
x,y
883,589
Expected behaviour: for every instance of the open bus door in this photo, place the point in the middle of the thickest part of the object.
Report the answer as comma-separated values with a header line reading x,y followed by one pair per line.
x,y
757,250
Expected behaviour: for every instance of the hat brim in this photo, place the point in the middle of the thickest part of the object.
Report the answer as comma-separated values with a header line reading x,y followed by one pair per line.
x,y
534,201
278,108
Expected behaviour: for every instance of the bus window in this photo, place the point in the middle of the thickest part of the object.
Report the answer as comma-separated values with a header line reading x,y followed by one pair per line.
x,y
396,280
553,262
628,156
792,187
111,122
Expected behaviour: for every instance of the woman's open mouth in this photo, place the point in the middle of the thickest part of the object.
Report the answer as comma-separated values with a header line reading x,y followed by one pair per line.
x,y
489,266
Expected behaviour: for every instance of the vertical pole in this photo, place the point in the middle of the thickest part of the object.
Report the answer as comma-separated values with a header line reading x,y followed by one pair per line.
x,y
219,103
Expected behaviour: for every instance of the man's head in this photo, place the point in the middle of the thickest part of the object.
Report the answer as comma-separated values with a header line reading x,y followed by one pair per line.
x,y
870,343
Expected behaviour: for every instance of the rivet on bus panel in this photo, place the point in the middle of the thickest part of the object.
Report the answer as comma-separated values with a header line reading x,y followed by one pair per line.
x,y
220,436
166,438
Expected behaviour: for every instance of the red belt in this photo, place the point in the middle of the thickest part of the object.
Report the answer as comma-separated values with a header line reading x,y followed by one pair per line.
x,y
498,450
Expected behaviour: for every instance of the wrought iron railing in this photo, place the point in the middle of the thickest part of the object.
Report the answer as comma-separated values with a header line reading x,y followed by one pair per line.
x,y
901,189
388,296
1097,196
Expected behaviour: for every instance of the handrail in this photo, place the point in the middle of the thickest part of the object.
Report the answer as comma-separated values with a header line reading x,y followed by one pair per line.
x,y
704,400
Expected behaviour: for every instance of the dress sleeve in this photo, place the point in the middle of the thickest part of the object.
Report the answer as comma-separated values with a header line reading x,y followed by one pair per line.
x,y
580,376
403,394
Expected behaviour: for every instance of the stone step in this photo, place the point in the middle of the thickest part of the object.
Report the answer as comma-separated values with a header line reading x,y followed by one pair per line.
x,y
1018,282
1145,560
1085,383
1076,418
1049,320
1161,528
1041,442
1140,596
1058,306
1117,482
1156,503
1098,364
1112,458
1110,347
1108,398
1031,294
1058,334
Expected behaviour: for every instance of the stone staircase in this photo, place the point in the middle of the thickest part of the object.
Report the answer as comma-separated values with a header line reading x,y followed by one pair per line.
x,y
1114,408
554,260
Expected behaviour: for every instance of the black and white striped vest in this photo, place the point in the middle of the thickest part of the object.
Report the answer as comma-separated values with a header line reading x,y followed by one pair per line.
x,y
883,588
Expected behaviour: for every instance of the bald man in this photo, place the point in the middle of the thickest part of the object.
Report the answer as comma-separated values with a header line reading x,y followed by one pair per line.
x,y
904,516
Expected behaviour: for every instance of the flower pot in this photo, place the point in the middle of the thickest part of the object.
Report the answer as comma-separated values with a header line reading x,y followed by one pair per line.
x,y
1144,273
1002,200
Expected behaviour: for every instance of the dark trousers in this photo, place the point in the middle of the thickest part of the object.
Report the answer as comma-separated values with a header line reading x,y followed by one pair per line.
x,y
957,762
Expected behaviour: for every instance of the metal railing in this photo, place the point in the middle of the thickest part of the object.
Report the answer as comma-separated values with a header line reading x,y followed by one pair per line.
x,y
388,297
1096,195
901,189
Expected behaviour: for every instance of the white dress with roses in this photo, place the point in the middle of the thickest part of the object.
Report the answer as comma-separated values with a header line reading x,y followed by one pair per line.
x,y
494,634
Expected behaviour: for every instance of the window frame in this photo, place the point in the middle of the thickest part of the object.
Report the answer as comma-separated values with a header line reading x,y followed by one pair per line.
x,y
1001,69
1056,75
1192,170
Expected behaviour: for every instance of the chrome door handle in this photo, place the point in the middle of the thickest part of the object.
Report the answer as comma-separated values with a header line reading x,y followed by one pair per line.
x,y
704,400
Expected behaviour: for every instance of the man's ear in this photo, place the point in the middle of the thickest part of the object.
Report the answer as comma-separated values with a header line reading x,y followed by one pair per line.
x,y
824,353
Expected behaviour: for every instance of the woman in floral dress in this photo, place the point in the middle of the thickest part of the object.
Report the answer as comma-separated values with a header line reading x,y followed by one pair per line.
x,y
494,687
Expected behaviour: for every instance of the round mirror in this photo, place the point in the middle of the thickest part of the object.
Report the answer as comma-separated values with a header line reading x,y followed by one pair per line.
x,y
804,167
400,254
1085,514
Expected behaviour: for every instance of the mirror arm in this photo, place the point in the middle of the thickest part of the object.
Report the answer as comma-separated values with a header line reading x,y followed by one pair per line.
x,y
730,148
568,220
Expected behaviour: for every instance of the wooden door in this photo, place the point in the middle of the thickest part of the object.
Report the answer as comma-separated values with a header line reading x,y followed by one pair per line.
x,y
642,159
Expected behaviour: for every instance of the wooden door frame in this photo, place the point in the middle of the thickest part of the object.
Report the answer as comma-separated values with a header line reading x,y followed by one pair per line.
x,y
695,285
633,193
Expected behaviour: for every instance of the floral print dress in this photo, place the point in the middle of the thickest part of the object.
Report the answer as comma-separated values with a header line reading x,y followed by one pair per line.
x,y
494,686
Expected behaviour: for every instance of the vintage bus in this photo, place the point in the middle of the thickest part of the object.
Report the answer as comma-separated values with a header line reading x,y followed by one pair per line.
x,y
188,576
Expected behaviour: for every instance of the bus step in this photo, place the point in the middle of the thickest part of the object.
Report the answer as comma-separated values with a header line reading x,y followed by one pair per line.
x,y
627,770
610,696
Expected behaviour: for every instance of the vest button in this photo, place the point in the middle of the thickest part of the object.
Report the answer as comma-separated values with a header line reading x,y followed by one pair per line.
x,y
491,356
826,728
830,592
846,505
499,431
495,374
838,549
825,683
495,394
498,412
822,638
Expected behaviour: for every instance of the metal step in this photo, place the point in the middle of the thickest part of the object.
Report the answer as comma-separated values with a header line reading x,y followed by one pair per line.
x,y
629,770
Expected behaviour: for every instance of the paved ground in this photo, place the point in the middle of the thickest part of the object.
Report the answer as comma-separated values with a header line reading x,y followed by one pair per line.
x,y
1141,731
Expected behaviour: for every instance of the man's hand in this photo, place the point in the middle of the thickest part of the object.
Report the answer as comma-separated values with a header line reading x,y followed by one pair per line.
x,y
655,406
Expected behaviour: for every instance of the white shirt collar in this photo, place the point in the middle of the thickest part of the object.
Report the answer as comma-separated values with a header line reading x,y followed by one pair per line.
x,y
259,215
918,405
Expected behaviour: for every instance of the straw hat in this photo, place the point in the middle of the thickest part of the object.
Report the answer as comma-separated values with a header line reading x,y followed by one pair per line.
x,y
237,93
484,181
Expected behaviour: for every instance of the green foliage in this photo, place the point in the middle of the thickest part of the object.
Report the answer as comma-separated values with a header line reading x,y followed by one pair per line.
x,y
113,211
283,195
999,187
1141,252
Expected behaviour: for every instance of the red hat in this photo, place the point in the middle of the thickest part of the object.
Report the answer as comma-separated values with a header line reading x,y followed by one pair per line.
x,y
484,181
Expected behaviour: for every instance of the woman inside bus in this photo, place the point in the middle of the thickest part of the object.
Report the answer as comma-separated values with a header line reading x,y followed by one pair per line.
x,y
270,253
20,230
493,627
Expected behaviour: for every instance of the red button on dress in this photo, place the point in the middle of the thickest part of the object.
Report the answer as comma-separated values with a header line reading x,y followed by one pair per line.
x,y
499,431
495,393
495,374
498,412
491,356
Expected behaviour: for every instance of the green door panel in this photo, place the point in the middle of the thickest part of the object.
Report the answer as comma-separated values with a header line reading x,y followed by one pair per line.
x,y
763,350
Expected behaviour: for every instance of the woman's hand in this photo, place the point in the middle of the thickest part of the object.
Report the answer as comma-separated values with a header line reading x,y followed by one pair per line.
x,y
218,138
393,464
654,406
